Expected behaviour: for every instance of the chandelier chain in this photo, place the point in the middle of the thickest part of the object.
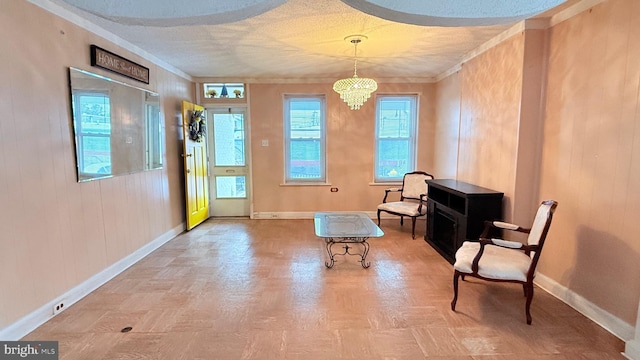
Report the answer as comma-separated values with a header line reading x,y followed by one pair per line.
x,y
355,56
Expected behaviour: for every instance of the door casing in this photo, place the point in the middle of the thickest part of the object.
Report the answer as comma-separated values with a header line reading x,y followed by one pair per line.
x,y
227,207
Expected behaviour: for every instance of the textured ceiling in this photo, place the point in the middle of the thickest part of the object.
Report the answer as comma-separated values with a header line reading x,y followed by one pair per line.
x,y
453,12
294,39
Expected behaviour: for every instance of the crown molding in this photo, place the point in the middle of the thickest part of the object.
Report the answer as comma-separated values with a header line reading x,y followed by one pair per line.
x,y
529,24
310,80
97,30
573,11
515,29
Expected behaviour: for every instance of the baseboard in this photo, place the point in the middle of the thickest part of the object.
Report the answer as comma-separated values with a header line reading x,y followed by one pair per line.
x,y
31,321
632,349
308,215
282,215
609,322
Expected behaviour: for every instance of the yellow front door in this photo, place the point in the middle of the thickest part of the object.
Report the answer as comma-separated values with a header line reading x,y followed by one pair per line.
x,y
195,164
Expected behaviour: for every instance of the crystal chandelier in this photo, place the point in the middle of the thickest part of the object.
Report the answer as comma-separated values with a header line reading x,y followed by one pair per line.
x,y
356,90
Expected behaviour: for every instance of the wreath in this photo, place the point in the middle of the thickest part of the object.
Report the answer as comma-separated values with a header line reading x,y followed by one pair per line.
x,y
197,128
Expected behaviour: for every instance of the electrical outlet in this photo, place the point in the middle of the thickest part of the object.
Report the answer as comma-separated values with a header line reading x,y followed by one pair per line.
x,y
58,307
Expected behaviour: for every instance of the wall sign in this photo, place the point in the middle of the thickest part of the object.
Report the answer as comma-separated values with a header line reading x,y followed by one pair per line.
x,y
117,64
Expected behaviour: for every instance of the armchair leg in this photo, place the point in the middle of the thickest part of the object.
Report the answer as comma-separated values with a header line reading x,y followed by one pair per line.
x,y
401,220
456,274
413,228
378,217
529,293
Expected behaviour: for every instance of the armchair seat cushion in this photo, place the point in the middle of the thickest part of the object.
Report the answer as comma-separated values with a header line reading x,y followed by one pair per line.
x,y
496,262
408,208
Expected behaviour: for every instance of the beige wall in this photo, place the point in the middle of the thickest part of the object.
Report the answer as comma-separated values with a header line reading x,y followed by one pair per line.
x,y
583,150
490,88
527,163
447,126
350,145
591,156
55,232
488,121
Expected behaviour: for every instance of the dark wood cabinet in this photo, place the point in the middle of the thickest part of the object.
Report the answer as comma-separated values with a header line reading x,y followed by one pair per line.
x,y
456,212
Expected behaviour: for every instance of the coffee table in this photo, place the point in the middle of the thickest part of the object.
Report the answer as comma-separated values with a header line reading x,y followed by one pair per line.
x,y
346,228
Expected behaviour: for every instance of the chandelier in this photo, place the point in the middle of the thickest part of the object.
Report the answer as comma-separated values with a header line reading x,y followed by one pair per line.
x,y
355,90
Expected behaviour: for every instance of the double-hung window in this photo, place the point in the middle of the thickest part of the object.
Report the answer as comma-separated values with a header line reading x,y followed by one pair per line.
x,y
395,143
305,143
92,111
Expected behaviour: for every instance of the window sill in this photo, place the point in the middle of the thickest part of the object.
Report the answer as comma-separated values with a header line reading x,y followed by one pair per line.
x,y
306,184
386,184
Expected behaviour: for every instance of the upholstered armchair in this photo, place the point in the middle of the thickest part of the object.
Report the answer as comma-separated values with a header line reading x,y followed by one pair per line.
x,y
502,260
413,194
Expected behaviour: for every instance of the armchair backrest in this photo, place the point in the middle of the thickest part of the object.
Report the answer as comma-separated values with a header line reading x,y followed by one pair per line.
x,y
413,184
539,230
542,222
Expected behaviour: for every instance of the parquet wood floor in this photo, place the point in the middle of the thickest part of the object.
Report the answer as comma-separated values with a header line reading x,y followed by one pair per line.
x,y
258,289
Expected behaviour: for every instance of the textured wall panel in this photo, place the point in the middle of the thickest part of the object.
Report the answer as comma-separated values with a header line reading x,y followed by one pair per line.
x,y
57,232
591,156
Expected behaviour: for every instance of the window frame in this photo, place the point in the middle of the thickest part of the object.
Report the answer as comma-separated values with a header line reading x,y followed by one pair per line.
x,y
412,138
288,99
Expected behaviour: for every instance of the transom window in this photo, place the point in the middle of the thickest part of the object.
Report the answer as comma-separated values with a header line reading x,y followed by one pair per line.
x,y
223,91
395,143
304,127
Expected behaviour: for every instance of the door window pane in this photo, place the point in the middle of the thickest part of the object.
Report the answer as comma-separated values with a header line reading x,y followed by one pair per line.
x,y
230,187
229,139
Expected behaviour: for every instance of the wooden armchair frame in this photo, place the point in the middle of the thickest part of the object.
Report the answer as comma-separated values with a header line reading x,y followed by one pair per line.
x,y
535,242
411,203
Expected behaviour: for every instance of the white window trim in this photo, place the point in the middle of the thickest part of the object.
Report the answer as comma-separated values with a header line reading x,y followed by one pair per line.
x,y
414,138
323,180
